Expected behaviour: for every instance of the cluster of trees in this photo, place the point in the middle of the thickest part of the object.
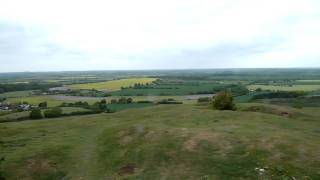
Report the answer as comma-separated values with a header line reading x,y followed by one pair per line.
x,y
25,86
278,94
169,101
49,113
99,107
76,104
122,100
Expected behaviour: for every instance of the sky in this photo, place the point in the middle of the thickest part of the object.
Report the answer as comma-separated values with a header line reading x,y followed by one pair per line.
x,y
61,35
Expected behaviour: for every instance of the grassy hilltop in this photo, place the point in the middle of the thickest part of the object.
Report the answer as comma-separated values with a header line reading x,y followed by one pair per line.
x,y
169,141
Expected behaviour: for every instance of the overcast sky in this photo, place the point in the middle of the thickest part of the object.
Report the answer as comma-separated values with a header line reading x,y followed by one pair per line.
x,y
56,35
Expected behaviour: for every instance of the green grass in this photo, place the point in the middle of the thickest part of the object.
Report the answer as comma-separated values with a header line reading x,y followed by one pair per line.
x,y
120,107
35,100
14,116
285,88
114,84
16,94
165,141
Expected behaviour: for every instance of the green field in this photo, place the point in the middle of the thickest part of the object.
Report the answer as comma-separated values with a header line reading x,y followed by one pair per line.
x,y
35,100
309,80
120,107
173,141
16,94
285,88
114,84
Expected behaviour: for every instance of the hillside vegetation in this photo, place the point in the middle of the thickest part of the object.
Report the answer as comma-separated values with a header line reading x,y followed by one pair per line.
x,y
167,141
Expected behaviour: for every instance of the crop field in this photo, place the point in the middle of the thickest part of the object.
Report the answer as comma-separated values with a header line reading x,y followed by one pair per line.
x,y
148,143
114,84
163,89
285,88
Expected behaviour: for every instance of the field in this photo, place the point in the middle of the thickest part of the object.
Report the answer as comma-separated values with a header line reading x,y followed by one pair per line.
x,y
114,84
35,100
149,143
15,94
285,88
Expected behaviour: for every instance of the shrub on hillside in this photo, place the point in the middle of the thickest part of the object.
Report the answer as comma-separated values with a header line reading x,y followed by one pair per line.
x,y
52,113
43,105
35,114
223,101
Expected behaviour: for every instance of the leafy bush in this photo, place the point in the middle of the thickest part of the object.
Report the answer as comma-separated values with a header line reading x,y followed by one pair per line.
x,y
35,114
223,101
144,101
43,105
54,112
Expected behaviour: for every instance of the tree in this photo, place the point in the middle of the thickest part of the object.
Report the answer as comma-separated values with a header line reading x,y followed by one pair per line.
x,y
223,101
54,112
113,101
129,100
35,114
103,101
122,100
43,105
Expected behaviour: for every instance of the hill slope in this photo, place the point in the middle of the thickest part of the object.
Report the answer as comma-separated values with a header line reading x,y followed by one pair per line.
x,y
172,142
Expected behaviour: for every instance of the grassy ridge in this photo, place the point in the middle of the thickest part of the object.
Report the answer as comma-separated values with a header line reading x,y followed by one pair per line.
x,y
171,141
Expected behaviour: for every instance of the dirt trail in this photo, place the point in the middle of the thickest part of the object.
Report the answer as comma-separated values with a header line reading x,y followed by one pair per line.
x,y
86,162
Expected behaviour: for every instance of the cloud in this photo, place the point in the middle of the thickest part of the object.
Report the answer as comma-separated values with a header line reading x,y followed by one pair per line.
x,y
143,34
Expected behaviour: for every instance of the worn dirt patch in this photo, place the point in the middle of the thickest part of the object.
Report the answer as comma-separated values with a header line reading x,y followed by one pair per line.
x,y
192,144
129,168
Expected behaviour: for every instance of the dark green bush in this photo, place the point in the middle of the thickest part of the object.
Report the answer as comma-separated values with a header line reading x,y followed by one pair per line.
x,y
43,105
223,101
54,112
35,114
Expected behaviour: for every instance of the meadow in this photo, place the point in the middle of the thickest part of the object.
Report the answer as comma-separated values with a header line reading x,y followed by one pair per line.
x,y
175,141
114,84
